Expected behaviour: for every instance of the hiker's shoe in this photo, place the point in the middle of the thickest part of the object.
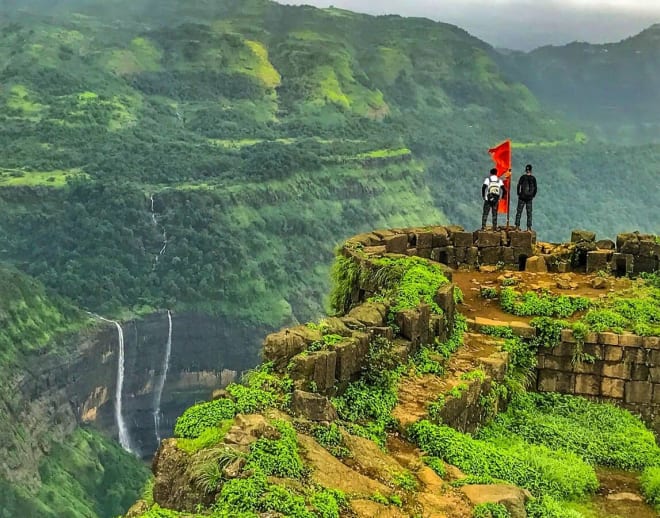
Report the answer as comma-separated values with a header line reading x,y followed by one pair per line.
x,y
517,229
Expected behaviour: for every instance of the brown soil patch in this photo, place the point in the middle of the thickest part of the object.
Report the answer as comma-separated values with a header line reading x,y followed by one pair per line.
x,y
474,305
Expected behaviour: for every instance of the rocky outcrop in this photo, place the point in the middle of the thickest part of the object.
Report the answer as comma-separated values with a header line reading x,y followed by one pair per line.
x,y
511,497
633,253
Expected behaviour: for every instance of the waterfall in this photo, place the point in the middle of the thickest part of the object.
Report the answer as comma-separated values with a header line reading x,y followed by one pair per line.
x,y
155,222
153,214
124,438
158,393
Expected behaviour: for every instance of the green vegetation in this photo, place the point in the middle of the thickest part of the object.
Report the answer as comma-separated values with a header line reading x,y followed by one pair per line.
x,y
366,405
260,389
198,418
277,457
111,483
330,437
651,485
537,468
637,310
31,318
264,144
405,282
576,425
490,511
533,304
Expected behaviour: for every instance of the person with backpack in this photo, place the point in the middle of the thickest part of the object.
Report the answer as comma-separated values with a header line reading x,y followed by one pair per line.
x,y
526,193
491,191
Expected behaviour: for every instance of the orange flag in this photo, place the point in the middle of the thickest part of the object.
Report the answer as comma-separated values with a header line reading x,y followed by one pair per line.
x,y
501,155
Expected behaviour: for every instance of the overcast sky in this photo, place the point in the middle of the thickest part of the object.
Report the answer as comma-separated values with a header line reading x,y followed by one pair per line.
x,y
522,24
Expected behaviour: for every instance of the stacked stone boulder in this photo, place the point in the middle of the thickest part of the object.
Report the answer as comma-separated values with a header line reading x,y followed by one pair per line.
x,y
621,368
449,245
633,253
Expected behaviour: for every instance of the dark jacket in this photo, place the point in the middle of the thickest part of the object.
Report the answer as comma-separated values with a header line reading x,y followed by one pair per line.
x,y
526,187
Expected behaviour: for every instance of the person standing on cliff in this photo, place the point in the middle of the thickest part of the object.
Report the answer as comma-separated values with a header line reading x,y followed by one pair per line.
x,y
491,191
526,193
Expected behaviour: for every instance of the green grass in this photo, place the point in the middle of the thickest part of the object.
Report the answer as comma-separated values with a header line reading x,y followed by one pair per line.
x,y
111,483
651,485
56,179
574,424
537,468
21,99
384,153
545,304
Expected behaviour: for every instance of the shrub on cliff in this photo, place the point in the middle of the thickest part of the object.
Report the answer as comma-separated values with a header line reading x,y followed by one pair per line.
x,y
260,389
198,418
537,468
574,424
544,305
651,486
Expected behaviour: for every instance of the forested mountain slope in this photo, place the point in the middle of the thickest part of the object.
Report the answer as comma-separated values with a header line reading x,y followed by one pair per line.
x,y
209,155
615,86
251,123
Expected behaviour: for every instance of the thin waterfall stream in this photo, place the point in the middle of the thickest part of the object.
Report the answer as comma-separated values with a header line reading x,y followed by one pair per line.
x,y
124,436
155,223
158,393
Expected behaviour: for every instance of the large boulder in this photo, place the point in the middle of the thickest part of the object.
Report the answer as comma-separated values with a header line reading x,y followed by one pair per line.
x,y
371,314
511,497
280,347
174,486
580,236
536,264
627,243
313,406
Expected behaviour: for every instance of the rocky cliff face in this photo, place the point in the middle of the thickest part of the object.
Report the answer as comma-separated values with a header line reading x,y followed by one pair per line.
x,y
51,394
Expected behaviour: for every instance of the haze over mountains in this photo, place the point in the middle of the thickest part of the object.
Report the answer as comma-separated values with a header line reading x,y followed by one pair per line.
x,y
520,24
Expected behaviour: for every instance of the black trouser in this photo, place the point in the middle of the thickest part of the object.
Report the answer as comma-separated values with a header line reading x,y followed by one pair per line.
x,y
487,207
528,205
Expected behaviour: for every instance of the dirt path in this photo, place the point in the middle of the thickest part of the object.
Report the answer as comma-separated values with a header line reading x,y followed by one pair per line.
x,y
416,393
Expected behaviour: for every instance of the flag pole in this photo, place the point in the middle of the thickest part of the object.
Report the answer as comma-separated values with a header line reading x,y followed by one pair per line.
x,y
508,194
508,198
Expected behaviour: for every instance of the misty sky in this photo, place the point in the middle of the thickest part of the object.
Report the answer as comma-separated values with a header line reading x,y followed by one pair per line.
x,y
522,24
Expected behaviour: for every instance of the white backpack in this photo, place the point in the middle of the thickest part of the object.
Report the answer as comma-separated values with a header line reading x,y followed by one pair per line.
x,y
493,190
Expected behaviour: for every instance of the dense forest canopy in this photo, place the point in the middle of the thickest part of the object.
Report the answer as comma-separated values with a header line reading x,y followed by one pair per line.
x,y
264,134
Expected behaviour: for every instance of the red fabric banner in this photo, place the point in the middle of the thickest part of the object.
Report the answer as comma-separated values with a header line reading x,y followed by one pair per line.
x,y
501,155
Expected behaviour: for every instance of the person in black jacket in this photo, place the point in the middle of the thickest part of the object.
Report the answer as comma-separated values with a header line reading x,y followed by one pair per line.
x,y
526,193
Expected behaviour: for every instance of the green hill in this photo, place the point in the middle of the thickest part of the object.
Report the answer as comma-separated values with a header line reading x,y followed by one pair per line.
x,y
249,123
210,155
615,86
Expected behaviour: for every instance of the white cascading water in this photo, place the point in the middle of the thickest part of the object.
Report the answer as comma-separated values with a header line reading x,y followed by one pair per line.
x,y
153,214
124,437
155,222
158,393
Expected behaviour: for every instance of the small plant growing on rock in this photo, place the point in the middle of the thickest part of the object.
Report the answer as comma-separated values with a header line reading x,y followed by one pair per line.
x,y
488,293
406,481
476,374
436,407
192,423
331,439
490,510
